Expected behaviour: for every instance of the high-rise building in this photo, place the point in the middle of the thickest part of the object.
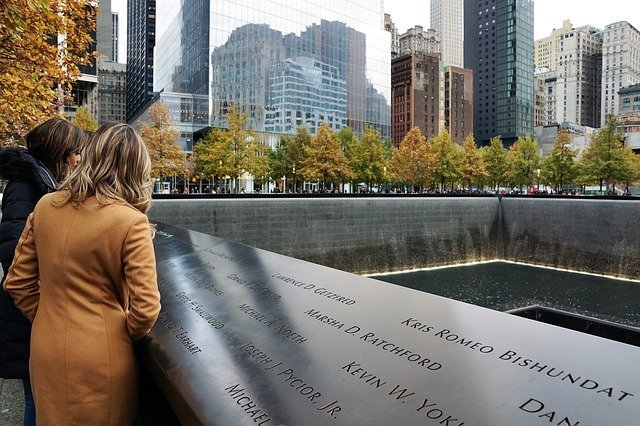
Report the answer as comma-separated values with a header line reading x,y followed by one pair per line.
x,y
84,90
255,55
416,95
446,20
540,116
115,29
111,91
620,64
305,91
104,30
578,76
458,102
498,48
546,87
546,48
141,36
417,40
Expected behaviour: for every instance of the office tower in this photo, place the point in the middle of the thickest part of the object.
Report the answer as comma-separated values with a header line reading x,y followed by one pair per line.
x,y
114,20
458,102
104,30
620,64
498,48
282,66
578,75
446,20
546,48
141,35
416,95
391,28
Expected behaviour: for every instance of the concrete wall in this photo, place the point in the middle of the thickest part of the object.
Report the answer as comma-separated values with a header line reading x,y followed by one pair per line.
x,y
385,234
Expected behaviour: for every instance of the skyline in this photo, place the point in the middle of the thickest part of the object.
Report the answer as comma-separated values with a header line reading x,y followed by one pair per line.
x,y
548,14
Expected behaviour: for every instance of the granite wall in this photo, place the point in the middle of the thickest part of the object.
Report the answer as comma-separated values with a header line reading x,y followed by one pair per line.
x,y
353,234
365,235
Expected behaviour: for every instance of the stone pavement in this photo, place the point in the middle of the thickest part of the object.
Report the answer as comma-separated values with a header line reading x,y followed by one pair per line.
x,y
11,400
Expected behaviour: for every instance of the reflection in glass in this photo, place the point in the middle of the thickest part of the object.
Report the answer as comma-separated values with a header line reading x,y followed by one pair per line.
x,y
283,66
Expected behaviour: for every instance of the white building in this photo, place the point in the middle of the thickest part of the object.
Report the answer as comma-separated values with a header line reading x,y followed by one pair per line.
x,y
446,20
620,64
417,40
578,77
546,48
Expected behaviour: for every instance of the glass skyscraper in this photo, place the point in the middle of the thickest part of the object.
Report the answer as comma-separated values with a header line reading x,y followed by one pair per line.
x,y
498,36
282,65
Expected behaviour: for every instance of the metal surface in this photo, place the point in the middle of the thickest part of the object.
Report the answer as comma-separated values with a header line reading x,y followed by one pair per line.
x,y
247,336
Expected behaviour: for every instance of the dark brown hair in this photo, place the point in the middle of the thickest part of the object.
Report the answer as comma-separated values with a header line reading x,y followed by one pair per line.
x,y
52,141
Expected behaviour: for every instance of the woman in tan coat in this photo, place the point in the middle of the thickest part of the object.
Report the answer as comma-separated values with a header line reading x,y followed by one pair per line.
x,y
84,273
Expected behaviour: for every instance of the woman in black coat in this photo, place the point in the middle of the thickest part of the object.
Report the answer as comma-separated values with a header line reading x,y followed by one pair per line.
x,y
52,148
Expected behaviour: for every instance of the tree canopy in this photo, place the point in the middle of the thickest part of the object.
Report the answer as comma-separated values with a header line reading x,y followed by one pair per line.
x,y
412,162
325,159
161,138
42,45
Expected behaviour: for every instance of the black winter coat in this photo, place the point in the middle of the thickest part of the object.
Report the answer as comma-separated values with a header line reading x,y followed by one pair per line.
x,y
28,180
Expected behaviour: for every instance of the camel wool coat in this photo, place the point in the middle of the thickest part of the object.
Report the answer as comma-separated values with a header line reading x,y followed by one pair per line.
x,y
86,277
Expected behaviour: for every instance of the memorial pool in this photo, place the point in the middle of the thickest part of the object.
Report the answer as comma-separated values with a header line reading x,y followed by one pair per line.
x,y
507,286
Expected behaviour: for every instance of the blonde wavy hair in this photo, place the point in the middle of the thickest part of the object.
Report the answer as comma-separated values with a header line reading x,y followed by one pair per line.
x,y
115,167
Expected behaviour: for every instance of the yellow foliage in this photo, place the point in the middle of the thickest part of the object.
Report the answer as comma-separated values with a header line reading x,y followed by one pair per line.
x,y
42,45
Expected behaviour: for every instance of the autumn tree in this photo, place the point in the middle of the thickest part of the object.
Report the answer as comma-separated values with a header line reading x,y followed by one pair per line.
x,y
161,138
42,45
495,160
325,159
472,168
412,162
606,160
213,154
368,157
558,167
524,161
84,120
287,158
447,159
257,160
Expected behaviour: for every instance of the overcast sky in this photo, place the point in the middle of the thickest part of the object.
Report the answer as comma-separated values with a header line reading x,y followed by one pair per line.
x,y
549,14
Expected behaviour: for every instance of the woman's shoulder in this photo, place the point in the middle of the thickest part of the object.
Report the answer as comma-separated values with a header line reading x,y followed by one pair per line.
x,y
19,167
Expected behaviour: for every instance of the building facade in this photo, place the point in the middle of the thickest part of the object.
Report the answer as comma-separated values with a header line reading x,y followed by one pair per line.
x,y
446,20
546,48
141,34
458,102
578,74
255,56
305,91
115,38
112,92
620,64
416,95
499,50
395,37
417,40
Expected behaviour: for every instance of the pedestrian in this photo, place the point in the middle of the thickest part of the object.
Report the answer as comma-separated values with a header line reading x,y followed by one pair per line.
x,y
85,274
53,148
